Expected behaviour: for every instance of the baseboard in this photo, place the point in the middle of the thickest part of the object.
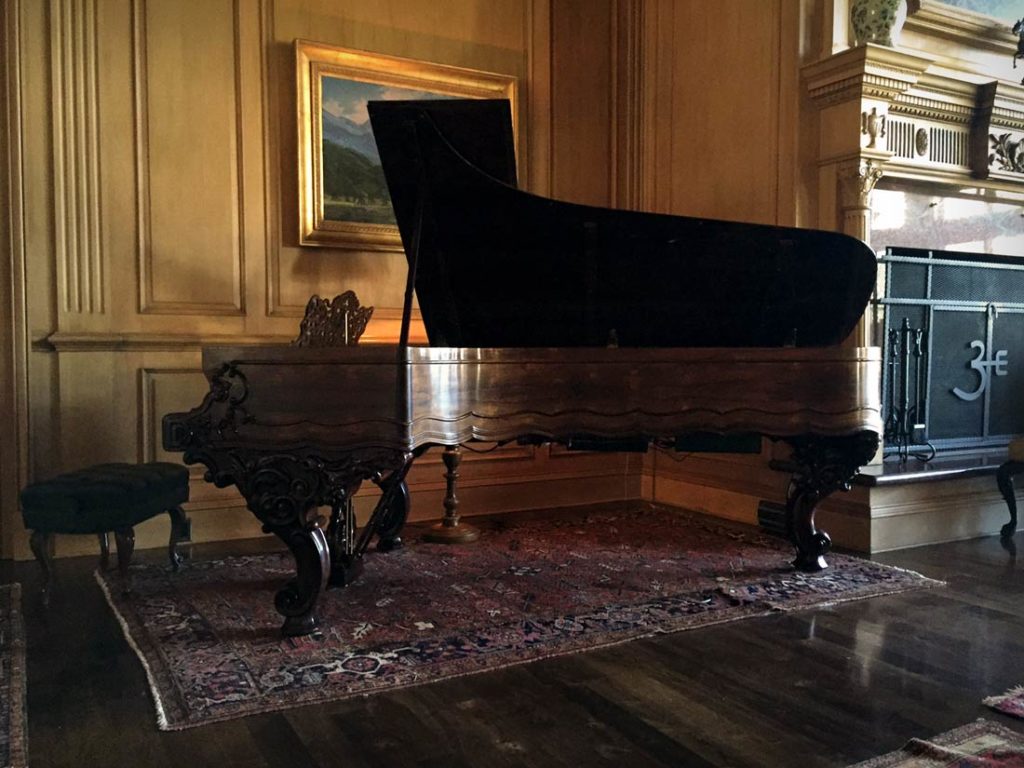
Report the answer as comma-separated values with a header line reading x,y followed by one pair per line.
x,y
223,516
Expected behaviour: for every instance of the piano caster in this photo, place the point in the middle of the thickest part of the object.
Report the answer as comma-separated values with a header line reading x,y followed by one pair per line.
x,y
812,559
450,530
297,626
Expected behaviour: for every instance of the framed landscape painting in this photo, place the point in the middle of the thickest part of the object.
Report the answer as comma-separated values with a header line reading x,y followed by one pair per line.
x,y
343,198
1007,11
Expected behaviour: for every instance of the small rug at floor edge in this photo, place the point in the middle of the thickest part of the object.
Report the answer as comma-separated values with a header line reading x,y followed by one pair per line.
x,y
13,714
1010,703
981,744
529,588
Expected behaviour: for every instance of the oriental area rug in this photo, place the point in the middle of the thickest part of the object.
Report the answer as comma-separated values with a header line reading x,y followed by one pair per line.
x,y
530,588
1010,703
13,726
982,744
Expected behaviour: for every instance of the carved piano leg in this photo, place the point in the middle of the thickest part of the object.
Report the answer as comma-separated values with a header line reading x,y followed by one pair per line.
x,y
823,465
811,544
284,491
297,600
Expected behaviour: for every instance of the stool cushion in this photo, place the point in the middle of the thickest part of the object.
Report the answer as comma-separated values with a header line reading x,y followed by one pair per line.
x,y
1017,450
103,497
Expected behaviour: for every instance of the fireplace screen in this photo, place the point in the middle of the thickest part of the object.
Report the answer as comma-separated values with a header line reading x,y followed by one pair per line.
x,y
952,328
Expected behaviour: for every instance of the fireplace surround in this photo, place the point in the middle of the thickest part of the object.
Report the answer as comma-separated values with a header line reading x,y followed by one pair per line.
x,y
951,325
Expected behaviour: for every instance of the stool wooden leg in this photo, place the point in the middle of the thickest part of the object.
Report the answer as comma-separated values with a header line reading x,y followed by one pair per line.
x,y
104,550
1004,478
179,531
40,543
125,539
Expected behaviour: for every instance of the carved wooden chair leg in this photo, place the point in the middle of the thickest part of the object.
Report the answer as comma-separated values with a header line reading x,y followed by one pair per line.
x,y
125,540
179,531
1004,478
104,550
40,543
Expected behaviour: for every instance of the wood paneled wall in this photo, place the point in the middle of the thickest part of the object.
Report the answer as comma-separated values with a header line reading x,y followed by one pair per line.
x,y
149,168
722,106
722,93
150,196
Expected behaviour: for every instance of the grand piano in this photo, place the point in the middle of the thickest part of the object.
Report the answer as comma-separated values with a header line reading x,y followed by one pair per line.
x,y
547,322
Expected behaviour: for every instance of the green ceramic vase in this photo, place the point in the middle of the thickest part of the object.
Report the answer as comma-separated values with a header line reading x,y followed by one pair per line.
x,y
877,21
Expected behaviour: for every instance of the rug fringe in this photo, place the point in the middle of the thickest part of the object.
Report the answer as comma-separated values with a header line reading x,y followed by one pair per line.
x,y
930,584
935,582
994,701
161,715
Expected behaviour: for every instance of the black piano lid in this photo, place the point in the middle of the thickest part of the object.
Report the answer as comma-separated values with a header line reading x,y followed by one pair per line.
x,y
500,267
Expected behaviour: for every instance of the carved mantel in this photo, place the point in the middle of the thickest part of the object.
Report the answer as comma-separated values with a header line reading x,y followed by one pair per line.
x,y
997,150
855,91
910,114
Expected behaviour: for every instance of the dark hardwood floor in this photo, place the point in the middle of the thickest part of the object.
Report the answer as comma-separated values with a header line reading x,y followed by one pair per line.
x,y
826,687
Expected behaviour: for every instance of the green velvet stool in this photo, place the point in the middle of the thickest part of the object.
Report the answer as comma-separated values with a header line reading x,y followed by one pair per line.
x,y
102,499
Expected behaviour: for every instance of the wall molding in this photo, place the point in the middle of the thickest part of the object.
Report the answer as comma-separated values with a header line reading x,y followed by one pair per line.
x,y
657,59
627,108
148,304
76,155
115,341
270,105
146,418
537,102
14,459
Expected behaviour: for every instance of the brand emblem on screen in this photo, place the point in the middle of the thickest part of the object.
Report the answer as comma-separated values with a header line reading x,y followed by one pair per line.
x,y
984,366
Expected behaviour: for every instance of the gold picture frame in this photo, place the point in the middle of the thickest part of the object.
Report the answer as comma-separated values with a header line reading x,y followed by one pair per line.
x,y
343,200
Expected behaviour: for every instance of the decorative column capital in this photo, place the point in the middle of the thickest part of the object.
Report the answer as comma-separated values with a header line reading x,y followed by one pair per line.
x,y
857,179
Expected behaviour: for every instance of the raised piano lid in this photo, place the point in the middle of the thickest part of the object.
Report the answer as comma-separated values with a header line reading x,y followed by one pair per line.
x,y
500,267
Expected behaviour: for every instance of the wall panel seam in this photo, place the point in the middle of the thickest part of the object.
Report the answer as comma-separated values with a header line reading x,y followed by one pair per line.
x,y
140,102
272,179
240,150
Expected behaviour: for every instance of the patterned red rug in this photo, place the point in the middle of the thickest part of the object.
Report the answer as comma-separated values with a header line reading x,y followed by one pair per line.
x,y
1010,703
532,587
981,744
13,721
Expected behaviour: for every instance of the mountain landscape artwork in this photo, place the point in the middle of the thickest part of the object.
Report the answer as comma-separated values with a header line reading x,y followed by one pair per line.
x,y
354,189
1007,11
